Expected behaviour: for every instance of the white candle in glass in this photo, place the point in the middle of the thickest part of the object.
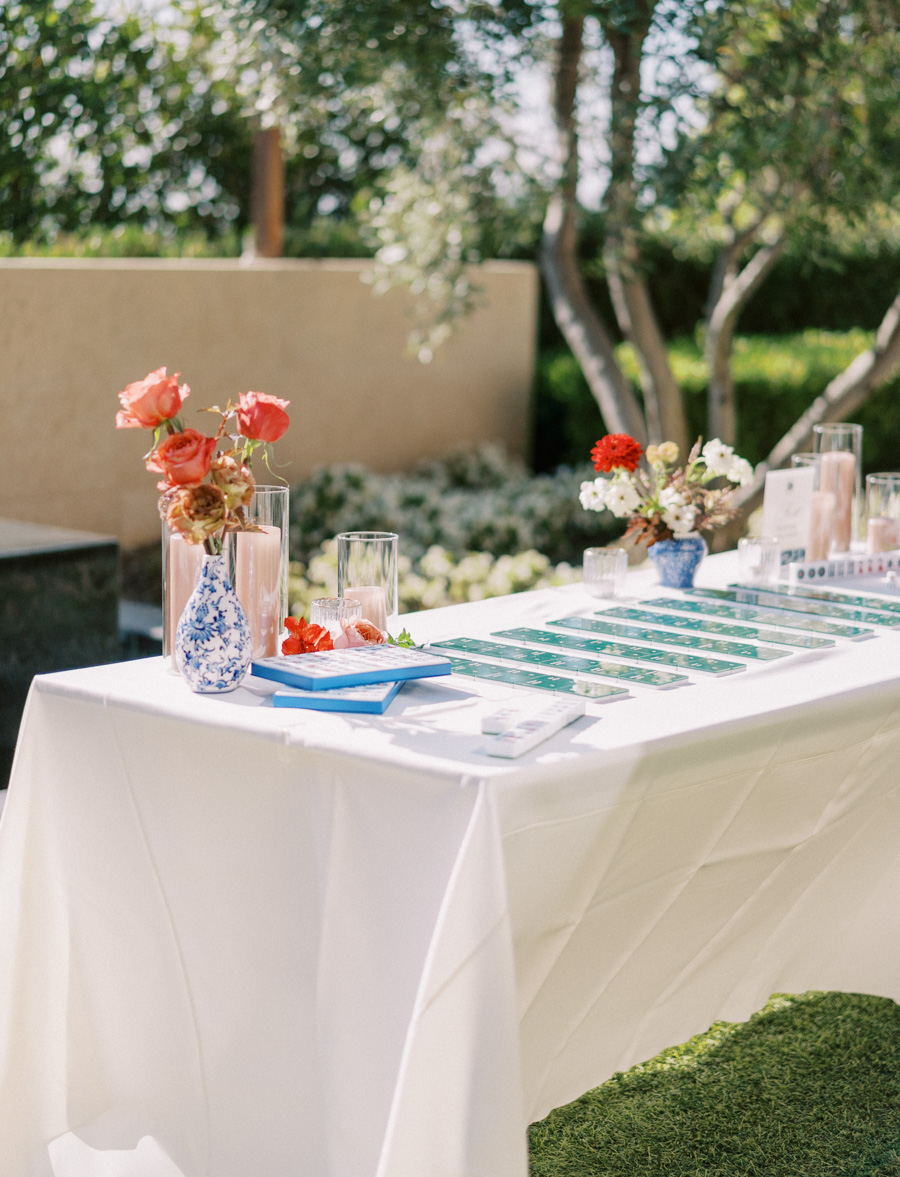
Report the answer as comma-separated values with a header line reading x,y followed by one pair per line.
x,y
373,599
837,473
882,534
821,525
257,583
183,568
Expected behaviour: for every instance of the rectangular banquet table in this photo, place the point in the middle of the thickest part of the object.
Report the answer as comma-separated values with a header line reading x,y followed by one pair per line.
x,y
240,940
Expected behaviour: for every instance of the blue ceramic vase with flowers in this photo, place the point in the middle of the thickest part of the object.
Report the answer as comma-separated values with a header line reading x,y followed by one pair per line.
x,y
212,641
677,560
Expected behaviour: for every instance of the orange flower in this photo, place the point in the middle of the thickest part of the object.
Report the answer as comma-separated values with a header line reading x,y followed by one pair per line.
x,y
184,458
261,417
149,402
616,451
305,639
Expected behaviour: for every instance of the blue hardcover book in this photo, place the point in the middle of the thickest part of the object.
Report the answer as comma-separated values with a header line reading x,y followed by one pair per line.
x,y
373,698
350,668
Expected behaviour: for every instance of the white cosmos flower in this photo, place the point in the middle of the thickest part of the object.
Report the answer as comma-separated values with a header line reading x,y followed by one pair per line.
x,y
740,471
622,497
718,456
670,497
680,519
593,494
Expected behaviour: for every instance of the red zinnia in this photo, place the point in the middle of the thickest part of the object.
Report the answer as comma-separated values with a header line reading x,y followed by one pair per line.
x,y
616,451
305,639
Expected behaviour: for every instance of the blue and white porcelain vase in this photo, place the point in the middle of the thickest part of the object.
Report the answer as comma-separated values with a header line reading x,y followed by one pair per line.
x,y
677,560
212,641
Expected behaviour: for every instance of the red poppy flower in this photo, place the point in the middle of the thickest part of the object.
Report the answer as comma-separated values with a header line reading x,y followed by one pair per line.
x,y
616,451
305,639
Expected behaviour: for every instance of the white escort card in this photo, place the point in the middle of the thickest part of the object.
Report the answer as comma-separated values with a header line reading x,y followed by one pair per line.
x,y
787,511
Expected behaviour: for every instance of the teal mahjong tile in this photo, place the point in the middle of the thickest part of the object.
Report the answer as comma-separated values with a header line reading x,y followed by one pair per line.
x,y
807,624
804,641
636,674
690,640
650,653
599,692
771,600
555,660
862,601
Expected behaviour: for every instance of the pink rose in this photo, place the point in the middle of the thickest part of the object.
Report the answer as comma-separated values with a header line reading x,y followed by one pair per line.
x,y
151,401
261,417
184,458
358,632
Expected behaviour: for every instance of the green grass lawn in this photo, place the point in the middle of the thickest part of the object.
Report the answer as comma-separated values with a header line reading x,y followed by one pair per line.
x,y
808,1087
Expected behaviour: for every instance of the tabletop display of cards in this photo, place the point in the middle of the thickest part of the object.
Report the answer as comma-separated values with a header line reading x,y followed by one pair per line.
x,y
659,643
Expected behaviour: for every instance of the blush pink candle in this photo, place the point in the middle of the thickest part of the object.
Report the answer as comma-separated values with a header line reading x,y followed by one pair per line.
x,y
821,525
882,535
183,568
373,599
837,474
258,584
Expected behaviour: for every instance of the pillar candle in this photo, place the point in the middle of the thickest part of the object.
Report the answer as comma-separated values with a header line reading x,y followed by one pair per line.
x,y
258,584
837,473
882,534
373,599
183,568
821,525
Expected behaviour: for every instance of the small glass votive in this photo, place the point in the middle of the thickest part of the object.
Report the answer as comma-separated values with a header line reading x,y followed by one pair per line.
x,y
839,446
368,572
604,571
331,611
882,513
758,560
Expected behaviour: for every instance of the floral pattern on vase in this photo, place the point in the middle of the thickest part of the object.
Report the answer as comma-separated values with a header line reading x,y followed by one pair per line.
x,y
676,560
212,641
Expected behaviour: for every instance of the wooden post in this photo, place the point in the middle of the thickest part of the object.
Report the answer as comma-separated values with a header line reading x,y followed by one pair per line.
x,y
267,193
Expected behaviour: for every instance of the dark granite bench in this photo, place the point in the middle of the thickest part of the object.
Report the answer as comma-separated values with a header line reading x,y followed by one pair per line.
x,y
58,611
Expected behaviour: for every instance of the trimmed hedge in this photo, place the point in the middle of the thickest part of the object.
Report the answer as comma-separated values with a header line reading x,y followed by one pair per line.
x,y
776,378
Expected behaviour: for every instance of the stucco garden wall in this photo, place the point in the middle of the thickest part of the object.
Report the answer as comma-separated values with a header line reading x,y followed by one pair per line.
x,y
73,332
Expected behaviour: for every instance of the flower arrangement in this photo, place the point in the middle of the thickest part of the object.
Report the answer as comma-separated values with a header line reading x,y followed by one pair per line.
x,y
666,501
204,489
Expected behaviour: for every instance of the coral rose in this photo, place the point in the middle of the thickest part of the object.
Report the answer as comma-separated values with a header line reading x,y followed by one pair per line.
x,y
261,417
616,451
149,402
358,632
184,458
233,479
197,512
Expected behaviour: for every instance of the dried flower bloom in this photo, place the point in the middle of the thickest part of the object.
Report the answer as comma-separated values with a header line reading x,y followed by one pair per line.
x,y
197,512
234,479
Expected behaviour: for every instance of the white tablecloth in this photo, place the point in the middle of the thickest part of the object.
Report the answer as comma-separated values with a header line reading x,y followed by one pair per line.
x,y
237,940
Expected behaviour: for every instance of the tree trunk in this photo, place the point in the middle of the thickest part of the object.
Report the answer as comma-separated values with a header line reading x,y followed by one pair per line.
x,y
267,193
730,292
576,318
663,406
843,395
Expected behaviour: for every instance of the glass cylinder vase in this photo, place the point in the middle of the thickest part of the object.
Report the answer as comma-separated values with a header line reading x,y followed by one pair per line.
x,y
839,445
368,573
259,567
181,566
882,512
